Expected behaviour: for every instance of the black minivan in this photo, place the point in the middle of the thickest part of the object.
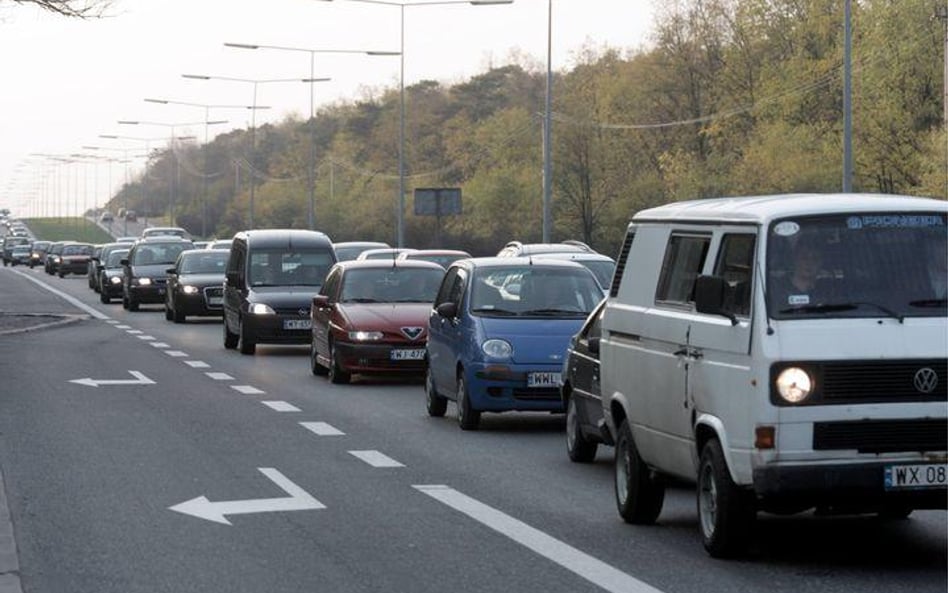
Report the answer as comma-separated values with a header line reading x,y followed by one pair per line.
x,y
271,278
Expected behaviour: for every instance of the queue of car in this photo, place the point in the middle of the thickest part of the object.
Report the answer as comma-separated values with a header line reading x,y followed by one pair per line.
x,y
698,354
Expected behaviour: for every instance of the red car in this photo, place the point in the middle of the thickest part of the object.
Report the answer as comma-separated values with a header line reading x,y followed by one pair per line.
x,y
371,316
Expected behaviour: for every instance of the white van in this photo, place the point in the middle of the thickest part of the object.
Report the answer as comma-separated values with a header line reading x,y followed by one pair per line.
x,y
783,353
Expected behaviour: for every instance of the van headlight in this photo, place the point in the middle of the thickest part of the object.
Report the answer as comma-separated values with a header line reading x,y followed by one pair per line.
x,y
261,309
794,385
497,348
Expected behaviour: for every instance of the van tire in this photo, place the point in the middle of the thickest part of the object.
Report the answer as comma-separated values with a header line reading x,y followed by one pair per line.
x,y
578,447
726,512
468,417
639,494
230,339
436,404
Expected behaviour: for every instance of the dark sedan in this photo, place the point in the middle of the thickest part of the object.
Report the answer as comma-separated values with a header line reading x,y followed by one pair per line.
x,y
196,284
145,272
110,275
74,259
370,317
585,426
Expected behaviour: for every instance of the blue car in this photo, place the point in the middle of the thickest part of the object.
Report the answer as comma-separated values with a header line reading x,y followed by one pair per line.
x,y
499,331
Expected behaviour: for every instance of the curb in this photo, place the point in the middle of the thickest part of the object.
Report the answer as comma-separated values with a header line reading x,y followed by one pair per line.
x,y
61,319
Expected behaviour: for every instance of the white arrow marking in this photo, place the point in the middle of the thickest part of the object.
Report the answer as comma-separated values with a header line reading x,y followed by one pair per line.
x,y
140,379
299,500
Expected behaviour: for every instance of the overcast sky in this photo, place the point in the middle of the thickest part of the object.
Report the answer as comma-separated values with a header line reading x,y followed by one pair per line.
x,y
66,81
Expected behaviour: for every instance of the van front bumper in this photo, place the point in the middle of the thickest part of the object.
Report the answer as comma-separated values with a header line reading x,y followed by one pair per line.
x,y
857,486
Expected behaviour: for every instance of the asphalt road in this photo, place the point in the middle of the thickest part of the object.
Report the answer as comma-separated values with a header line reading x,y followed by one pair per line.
x,y
376,496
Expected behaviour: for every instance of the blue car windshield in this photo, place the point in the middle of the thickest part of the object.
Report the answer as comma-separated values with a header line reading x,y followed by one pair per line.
x,y
535,290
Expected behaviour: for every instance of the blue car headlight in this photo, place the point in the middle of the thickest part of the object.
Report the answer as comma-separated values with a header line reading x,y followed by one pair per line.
x,y
496,348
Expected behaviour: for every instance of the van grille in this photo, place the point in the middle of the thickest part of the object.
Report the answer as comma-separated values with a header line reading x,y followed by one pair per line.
x,y
882,436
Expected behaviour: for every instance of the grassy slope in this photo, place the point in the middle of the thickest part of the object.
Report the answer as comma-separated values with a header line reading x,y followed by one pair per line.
x,y
67,229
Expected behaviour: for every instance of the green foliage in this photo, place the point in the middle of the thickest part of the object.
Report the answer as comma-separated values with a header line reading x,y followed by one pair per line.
x,y
733,97
67,229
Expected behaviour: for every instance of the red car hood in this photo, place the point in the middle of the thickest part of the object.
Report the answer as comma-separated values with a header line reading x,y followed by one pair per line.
x,y
402,319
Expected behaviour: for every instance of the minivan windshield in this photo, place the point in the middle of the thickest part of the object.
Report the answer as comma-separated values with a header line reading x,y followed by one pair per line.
x,y
858,265
282,267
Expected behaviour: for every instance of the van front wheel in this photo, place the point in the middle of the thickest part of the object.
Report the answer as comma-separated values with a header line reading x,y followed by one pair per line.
x,y
639,494
726,512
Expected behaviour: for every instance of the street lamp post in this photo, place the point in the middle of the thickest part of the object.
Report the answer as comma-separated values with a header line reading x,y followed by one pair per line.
x,y
311,173
125,159
400,215
174,158
207,123
253,119
147,142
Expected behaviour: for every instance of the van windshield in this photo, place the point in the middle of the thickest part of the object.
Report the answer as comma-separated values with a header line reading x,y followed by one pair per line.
x,y
281,267
858,265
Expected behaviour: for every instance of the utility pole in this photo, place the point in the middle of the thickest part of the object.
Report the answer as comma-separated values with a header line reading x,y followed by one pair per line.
x,y
848,100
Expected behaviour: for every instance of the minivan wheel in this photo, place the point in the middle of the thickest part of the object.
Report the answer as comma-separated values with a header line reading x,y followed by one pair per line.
x,y
468,418
124,302
132,304
336,374
436,404
230,338
639,494
578,447
246,346
314,366
726,512
177,315
168,316
104,297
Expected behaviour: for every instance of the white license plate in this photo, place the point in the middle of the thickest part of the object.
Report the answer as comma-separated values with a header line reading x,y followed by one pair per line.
x,y
215,301
297,324
416,354
548,379
931,475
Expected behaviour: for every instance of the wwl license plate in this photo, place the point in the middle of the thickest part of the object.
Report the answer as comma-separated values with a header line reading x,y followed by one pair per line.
x,y
904,477
545,379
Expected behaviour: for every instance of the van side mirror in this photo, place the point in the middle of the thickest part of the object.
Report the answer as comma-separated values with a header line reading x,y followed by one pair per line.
x,y
232,278
449,310
710,295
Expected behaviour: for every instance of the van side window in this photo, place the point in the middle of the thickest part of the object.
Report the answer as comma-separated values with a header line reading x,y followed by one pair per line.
x,y
620,264
736,265
684,258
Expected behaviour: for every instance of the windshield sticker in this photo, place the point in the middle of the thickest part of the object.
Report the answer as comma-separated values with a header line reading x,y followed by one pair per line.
x,y
798,299
875,221
787,229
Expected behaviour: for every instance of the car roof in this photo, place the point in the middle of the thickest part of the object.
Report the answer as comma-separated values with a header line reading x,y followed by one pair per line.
x,y
383,264
284,238
762,209
573,256
422,252
162,239
368,244
532,248
396,251
512,262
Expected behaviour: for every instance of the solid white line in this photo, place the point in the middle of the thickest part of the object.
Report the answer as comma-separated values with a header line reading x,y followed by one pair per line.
x,y
197,364
220,376
247,389
176,353
376,459
593,570
72,300
161,345
322,429
279,406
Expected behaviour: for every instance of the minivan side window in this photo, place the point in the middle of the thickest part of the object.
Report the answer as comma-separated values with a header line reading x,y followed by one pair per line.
x,y
684,258
736,265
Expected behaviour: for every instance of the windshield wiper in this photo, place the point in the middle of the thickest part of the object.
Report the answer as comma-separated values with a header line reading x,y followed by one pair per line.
x,y
492,311
836,307
929,303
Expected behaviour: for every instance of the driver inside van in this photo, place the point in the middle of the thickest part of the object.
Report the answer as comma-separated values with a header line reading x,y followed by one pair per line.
x,y
802,284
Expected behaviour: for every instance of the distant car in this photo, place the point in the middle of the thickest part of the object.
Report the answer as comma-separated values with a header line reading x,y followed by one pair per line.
x,y
492,351
9,242
110,275
518,249
20,255
131,216
201,244
126,239
165,231
371,317
602,266
196,284
585,422
98,259
92,271
145,271
389,253
442,257
347,250
220,244
53,256
38,253
106,217
74,259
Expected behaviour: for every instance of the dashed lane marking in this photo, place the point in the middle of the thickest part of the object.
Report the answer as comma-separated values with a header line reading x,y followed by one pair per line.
x,y
280,406
376,459
322,429
220,376
197,364
247,389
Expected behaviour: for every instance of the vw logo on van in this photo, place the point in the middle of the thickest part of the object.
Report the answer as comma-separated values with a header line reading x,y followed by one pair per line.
x,y
925,380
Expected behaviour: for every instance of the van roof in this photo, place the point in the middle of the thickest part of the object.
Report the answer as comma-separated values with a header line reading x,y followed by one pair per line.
x,y
762,209
287,238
